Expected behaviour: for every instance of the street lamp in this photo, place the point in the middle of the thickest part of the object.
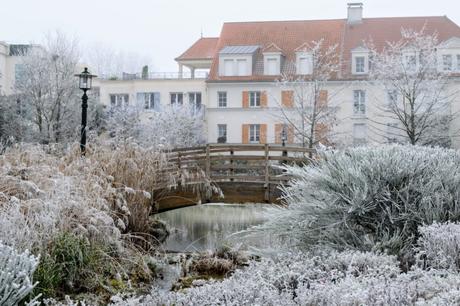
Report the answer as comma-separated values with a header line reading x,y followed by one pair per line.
x,y
283,136
283,142
85,82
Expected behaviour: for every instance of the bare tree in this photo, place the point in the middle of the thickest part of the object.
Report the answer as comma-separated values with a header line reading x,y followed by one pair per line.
x,y
305,106
47,93
110,63
417,107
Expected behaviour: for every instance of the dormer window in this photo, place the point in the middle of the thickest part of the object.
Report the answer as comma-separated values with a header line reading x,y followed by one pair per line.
x,y
447,62
273,56
360,64
272,66
237,60
360,60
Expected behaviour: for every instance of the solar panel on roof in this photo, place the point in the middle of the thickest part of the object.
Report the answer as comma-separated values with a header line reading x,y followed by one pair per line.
x,y
239,49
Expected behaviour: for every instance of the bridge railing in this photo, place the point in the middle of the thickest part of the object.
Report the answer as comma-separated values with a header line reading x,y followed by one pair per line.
x,y
240,162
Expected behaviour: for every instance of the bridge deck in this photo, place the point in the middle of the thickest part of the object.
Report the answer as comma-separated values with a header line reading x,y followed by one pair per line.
x,y
245,173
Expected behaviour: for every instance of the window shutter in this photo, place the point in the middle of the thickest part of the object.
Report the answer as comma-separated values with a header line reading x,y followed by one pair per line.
x,y
290,134
278,131
245,99
156,99
140,99
321,131
245,136
322,97
287,98
263,133
263,99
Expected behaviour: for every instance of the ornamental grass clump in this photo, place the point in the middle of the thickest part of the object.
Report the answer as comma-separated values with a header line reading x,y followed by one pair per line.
x,y
369,198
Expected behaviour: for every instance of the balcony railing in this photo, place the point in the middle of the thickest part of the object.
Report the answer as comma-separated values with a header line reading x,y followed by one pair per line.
x,y
156,76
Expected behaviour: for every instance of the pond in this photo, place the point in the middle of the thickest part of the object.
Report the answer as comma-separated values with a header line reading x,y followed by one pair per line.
x,y
210,226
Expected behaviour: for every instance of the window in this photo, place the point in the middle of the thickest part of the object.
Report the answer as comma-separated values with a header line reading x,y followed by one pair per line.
x,y
19,72
447,63
392,97
177,98
194,98
458,62
254,99
119,100
228,67
392,133
359,102
254,133
149,100
411,62
272,65
360,64
241,66
304,65
221,133
222,98
359,134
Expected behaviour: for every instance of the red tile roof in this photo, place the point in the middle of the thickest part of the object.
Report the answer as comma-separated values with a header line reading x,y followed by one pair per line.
x,y
290,36
203,48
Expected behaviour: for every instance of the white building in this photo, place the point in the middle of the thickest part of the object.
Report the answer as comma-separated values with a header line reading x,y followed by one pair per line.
x,y
10,65
244,102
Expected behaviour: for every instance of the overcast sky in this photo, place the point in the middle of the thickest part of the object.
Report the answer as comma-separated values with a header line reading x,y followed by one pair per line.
x,y
163,29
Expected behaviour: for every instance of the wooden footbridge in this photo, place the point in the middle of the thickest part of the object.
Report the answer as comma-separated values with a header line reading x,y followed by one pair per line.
x,y
228,173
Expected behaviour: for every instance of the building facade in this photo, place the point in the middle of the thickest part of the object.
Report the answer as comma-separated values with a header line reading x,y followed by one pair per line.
x,y
10,65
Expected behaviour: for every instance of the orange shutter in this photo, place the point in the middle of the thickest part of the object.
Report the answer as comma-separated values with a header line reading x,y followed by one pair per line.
x,y
245,136
321,131
290,134
263,99
245,99
263,133
287,98
278,131
322,98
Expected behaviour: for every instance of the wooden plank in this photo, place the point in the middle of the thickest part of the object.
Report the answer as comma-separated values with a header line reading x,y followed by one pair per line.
x,y
278,148
237,157
239,177
237,167
289,158
188,149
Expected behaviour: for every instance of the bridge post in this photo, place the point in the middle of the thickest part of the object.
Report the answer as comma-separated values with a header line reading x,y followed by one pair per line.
x,y
208,161
232,171
267,174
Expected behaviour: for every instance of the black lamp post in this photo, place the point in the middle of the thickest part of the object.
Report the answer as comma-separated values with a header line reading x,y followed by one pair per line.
x,y
85,82
283,141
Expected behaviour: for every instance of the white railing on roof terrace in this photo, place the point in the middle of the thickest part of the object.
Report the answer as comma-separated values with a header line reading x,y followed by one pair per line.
x,y
156,76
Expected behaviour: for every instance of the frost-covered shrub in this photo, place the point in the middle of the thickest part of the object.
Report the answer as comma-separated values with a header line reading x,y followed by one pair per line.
x,y
369,198
274,281
439,246
350,278
16,270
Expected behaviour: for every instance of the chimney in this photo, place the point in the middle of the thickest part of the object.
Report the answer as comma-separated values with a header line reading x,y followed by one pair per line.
x,y
355,13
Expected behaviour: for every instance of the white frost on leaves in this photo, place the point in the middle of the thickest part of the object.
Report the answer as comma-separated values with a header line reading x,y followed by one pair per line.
x,y
16,270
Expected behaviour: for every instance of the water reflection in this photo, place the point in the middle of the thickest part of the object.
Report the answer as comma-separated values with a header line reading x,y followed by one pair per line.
x,y
207,227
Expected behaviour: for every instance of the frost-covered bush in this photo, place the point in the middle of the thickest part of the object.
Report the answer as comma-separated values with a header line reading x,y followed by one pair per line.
x,y
369,198
349,278
16,270
439,246
273,281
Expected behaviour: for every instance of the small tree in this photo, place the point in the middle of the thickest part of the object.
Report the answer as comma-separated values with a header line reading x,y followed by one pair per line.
x,y
416,84
311,117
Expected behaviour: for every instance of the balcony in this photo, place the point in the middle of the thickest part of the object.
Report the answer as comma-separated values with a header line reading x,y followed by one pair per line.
x,y
156,76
